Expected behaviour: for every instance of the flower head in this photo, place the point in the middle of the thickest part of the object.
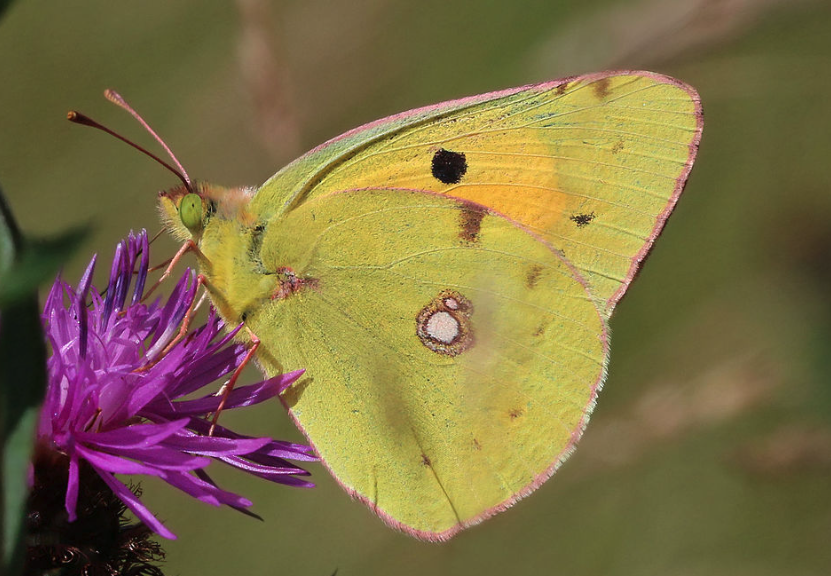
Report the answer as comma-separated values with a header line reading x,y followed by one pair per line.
x,y
116,395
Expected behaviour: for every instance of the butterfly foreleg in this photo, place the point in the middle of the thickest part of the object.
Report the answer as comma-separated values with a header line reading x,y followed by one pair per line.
x,y
187,246
183,327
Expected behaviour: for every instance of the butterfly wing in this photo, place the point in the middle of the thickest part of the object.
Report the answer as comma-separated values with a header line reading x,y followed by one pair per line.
x,y
445,276
593,164
452,356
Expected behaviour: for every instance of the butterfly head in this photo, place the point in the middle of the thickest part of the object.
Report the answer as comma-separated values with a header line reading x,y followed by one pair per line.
x,y
187,211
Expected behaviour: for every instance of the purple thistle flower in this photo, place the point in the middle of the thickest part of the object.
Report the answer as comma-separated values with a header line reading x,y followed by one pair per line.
x,y
114,399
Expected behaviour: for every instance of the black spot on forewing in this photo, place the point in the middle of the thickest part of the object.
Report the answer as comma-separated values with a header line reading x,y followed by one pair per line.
x,y
582,219
449,167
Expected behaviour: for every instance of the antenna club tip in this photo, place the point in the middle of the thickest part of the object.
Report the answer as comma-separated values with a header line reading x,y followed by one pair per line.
x,y
77,118
113,96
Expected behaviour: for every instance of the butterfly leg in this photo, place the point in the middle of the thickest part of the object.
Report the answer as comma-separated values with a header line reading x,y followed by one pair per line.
x,y
194,306
229,386
187,246
183,327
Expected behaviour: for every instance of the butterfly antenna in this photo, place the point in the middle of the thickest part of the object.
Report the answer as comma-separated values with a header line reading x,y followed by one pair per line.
x,y
84,120
119,100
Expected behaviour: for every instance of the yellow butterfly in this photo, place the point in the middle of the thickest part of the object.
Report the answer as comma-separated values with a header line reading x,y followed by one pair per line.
x,y
446,276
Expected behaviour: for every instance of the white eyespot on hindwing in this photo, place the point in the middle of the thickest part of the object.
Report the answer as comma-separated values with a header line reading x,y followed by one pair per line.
x,y
444,324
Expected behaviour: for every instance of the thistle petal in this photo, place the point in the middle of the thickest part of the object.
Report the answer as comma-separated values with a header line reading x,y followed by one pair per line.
x,y
115,392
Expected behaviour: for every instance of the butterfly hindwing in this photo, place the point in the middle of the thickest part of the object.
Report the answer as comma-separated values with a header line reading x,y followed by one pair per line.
x,y
453,356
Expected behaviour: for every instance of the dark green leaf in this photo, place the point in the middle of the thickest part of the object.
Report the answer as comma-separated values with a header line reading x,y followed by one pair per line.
x,y
10,238
37,261
23,266
3,5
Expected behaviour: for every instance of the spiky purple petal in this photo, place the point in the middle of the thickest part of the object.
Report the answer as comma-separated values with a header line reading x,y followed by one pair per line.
x,y
116,386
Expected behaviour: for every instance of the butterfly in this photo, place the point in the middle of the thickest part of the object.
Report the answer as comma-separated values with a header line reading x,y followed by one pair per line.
x,y
446,277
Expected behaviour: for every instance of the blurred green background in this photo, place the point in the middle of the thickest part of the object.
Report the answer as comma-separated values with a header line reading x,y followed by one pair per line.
x,y
710,449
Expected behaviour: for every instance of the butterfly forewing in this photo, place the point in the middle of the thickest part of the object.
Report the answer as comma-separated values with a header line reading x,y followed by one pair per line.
x,y
593,164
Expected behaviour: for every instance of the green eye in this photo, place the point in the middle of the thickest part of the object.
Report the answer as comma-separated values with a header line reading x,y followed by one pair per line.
x,y
190,211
